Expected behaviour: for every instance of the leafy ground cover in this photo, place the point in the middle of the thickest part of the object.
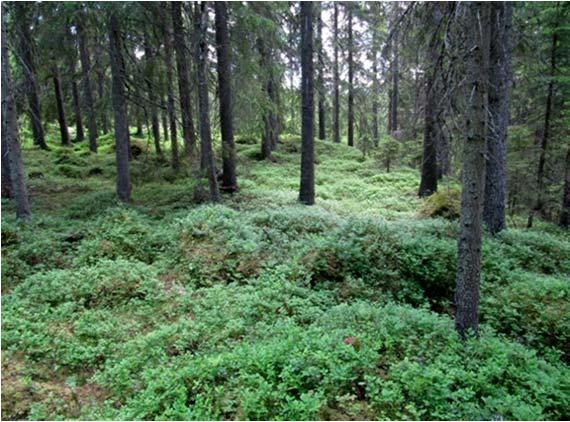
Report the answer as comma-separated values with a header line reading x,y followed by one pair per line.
x,y
260,308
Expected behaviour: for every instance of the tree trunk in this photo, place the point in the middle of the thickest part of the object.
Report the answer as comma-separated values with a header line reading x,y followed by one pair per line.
x,y
229,179
428,183
79,134
539,202
11,137
321,78
350,78
336,80
87,90
496,173
183,84
565,211
120,109
25,53
469,241
376,94
150,83
5,166
170,91
394,89
207,155
164,115
270,133
102,101
61,118
307,188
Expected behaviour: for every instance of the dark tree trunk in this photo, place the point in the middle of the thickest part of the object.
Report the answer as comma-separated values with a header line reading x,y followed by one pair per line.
x,y
496,173
207,155
270,133
87,89
120,108
164,115
469,241
183,84
5,166
150,84
102,101
25,53
307,188
11,137
61,118
443,150
565,211
336,80
79,134
394,90
428,182
321,78
229,179
350,78
170,91
539,202
376,94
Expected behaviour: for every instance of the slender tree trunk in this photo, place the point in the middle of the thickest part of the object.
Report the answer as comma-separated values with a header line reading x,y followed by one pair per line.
x,y
170,91
5,166
336,80
120,109
539,202
271,133
376,94
428,182
209,165
321,78
469,241
61,118
350,78
229,179
25,55
183,83
11,137
102,101
164,115
394,90
87,90
79,134
150,83
496,175
307,188
565,211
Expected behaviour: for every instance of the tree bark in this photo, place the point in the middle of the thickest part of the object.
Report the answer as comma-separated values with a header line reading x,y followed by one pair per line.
x,y
207,153
79,134
336,80
350,77
270,136
183,83
496,173
428,182
321,77
394,89
565,211
539,201
229,178
26,58
307,188
152,98
375,93
120,109
11,137
87,89
61,118
175,161
477,29
164,116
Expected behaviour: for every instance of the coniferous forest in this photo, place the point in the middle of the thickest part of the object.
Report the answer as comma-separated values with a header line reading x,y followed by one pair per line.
x,y
285,210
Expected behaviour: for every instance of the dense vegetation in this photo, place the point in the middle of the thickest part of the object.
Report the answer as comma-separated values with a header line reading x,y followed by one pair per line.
x,y
178,245
260,308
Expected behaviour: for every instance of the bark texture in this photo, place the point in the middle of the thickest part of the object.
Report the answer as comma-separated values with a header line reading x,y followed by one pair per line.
x,y
336,80
183,83
207,153
229,178
469,242
79,133
321,77
350,77
307,188
499,80
61,118
120,109
170,108
11,137
87,88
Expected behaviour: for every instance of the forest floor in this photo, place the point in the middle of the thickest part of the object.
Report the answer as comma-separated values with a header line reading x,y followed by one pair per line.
x,y
261,308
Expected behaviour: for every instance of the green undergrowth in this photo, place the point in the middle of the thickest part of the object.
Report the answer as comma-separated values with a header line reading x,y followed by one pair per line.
x,y
260,308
